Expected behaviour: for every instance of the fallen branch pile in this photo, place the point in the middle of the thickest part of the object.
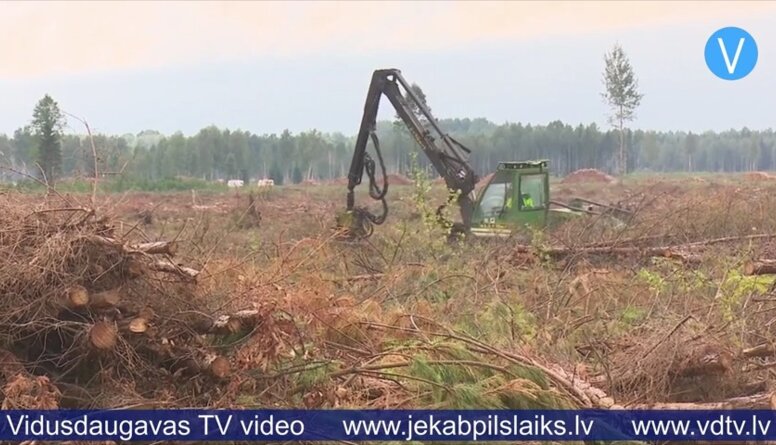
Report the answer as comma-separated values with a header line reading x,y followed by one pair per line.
x,y
94,320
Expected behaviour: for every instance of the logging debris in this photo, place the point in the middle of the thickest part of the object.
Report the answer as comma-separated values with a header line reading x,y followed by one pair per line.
x,y
85,312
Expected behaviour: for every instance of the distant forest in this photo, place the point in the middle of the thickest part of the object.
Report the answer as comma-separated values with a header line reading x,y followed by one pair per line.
x,y
215,153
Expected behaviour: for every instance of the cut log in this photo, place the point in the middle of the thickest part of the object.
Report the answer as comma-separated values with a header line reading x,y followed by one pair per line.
x,y
102,336
757,401
172,268
157,248
153,248
760,267
134,268
218,366
137,325
106,299
678,251
763,350
76,297
684,257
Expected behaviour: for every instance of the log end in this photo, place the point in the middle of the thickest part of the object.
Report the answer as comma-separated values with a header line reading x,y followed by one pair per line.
x,y
134,268
76,297
220,367
138,325
103,336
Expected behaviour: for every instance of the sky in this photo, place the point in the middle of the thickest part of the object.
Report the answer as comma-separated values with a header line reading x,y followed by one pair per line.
x,y
265,67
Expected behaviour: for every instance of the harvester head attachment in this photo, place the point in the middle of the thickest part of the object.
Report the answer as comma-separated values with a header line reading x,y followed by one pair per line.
x,y
354,224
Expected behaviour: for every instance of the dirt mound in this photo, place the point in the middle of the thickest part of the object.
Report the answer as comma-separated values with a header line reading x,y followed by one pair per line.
x,y
587,175
759,176
338,181
395,179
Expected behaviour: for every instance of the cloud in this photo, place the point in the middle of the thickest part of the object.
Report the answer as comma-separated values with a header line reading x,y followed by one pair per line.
x,y
71,38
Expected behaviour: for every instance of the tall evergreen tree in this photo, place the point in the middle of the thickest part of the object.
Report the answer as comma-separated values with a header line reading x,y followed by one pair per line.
x,y
47,123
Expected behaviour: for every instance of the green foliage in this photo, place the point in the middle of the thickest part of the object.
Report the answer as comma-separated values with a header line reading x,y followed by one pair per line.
x,y
315,375
669,275
276,174
461,384
631,315
437,222
215,153
125,184
502,321
297,175
736,287
621,84
622,95
47,123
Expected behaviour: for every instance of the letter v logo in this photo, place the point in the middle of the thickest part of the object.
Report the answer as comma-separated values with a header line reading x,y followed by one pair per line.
x,y
731,67
718,53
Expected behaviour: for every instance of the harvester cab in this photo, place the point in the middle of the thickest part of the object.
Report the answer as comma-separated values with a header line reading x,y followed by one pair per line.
x,y
518,195
517,198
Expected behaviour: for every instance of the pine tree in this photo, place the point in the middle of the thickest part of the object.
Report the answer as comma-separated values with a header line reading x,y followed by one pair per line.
x,y
47,123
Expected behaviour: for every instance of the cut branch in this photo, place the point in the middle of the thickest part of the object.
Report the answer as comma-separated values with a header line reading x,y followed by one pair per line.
x,y
167,266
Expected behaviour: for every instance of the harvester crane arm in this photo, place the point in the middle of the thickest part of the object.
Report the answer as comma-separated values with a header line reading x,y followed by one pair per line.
x,y
449,157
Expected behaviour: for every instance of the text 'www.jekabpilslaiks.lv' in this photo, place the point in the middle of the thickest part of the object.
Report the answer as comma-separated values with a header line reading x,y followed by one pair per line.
x,y
428,427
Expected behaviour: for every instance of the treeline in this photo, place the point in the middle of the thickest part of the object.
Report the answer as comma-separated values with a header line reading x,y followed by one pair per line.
x,y
215,153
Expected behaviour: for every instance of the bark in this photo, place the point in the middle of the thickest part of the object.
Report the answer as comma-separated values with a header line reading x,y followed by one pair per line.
x,y
105,300
760,267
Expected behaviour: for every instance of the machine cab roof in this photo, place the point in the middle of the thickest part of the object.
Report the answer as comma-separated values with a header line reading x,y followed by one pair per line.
x,y
540,166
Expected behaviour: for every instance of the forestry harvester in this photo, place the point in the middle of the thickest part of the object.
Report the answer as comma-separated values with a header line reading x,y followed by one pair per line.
x,y
516,197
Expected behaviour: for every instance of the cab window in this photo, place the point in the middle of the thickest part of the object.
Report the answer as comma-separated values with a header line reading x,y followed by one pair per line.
x,y
532,192
497,196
